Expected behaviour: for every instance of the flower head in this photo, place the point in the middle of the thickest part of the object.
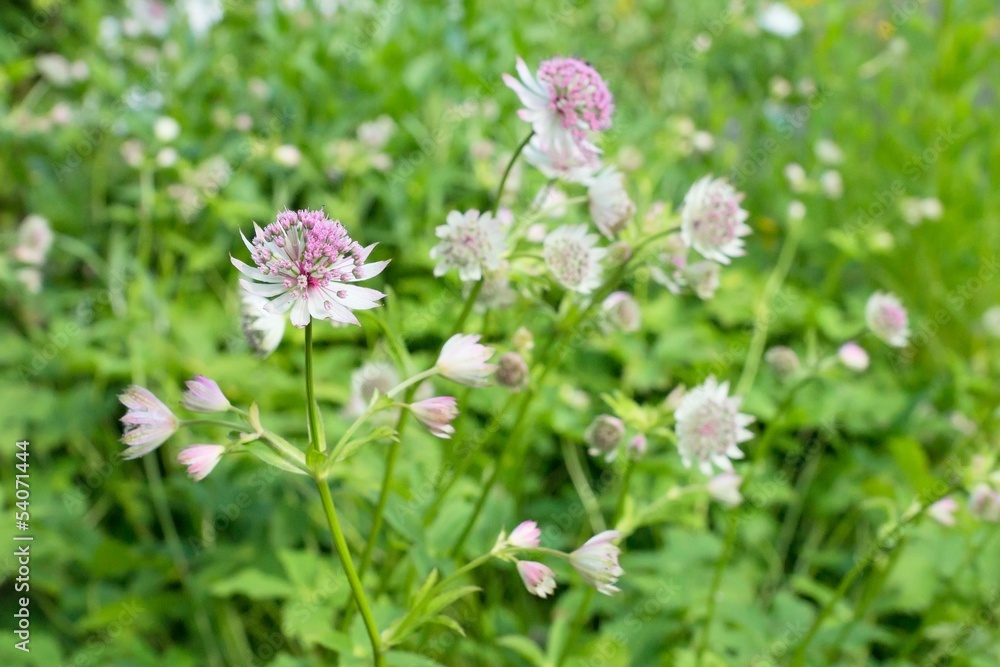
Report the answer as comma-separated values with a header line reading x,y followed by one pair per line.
x,y
204,395
307,263
463,359
573,259
525,536
638,446
609,203
471,242
512,371
597,561
604,435
725,488
148,422
622,312
712,221
703,278
853,356
710,426
943,511
262,330
563,101
984,503
783,360
200,459
539,579
887,319
436,415
779,19
34,238
570,166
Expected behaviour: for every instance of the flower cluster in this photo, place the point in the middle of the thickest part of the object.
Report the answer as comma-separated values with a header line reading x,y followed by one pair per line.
x,y
596,561
307,264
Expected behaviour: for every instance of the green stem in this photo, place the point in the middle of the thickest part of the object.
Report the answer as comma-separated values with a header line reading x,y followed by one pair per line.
x,y
217,422
470,301
352,576
799,656
763,316
485,492
506,172
623,491
575,625
713,594
574,466
317,440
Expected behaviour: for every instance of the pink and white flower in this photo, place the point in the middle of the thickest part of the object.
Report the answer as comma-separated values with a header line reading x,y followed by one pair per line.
x,y
464,360
34,238
526,536
610,206
471,242
572,166
712,221
597,561
710,426
984,503
204,395
148,422
943,511
622,312
563,102
725,488
539,579
262,330
573,258
307,264
853,356
200,459
887,319
436,415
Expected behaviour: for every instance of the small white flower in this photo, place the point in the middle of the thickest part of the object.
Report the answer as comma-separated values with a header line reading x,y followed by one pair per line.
x,y
622,312
779,19
471,242
572,167
712,221
829,152
887,319
34,238
991,321
525,536
610,206
200,459
203,395
710,426
463,359
703,277
943,511
573,258
287,155
832,184
436,414
202,15
597,561
853,356
263,330
984,503
725,488
166,129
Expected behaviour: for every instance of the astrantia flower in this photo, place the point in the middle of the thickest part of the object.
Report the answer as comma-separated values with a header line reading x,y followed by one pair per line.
x,y
712,221
604,435
609,203
263,330
703,278
525,536
512,371
725,488
710,426
597,561
436,415
783,360
853,356
887,319
943,511
34,238
984,503
569,166
470,242
308,263
572,257
200,459
637,446
148,422
539,579
204,395
563,102
673,262
463,359
622,312
779,19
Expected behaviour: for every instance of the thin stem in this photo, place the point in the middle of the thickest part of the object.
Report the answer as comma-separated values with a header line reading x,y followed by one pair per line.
x,y
574,466
763,316
470,301
506,172
575,625
481,501
623,491
316,439
218,422
352,576
419,377
713,594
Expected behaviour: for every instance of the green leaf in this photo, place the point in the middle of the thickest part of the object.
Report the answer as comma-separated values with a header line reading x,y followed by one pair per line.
x,y
407,659
254,584
524,647
265,454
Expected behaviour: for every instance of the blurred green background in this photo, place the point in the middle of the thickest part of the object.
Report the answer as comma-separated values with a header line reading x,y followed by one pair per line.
x,y
273,107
